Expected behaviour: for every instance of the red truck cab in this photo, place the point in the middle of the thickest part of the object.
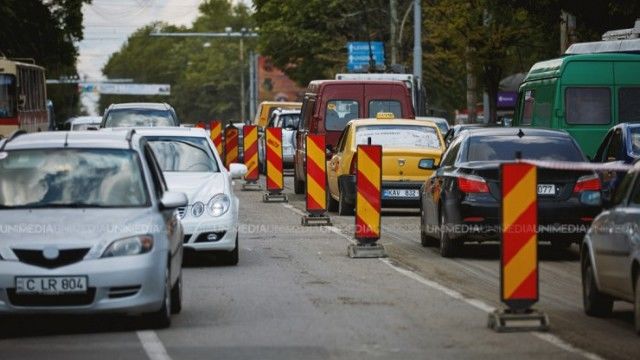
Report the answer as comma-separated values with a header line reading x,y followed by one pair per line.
x,y
329,105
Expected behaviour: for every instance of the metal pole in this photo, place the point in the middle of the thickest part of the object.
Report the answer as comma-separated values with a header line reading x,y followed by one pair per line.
x,y
242,96
252,85
417,40
393,5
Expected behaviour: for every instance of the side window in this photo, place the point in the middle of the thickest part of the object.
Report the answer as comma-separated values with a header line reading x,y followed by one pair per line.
x,y
623,188
307,112
449,157
629,104
388,106
613,150
584,106
602,150
527,108
272,120
339,112
342,142
156,174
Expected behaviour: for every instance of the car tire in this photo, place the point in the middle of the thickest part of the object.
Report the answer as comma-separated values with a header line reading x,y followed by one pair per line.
x,y
425,239
595,303
298,185
636,305
176,295
344,208
162,318
448,247
232,257
332,204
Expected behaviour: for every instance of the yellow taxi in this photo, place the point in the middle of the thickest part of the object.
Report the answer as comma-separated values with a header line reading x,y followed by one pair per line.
x,y
266,108
411,149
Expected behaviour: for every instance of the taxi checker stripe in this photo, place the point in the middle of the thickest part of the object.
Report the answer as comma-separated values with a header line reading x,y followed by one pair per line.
x,y
316,195
251,151
519,239
216,135
274,158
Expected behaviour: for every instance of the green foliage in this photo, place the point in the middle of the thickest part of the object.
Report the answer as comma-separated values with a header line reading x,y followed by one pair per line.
x,y
45,30
205,81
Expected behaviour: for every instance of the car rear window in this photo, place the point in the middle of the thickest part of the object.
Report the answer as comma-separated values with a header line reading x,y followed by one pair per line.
x,y
339,113
586,106
183,153
73,178
629,105
385,106
502,148
399,136
139,118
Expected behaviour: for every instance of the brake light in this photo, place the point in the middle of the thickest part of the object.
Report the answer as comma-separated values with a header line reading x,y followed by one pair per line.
x,y
588,183
472,184
354,165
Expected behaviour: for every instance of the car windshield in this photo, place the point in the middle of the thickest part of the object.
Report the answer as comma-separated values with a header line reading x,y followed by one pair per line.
x,y
502,148
398,136
183,153
634,133
46,178
7,96
139,118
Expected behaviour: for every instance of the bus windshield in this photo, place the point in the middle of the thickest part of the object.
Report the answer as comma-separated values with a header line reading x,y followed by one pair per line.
x,y
7,95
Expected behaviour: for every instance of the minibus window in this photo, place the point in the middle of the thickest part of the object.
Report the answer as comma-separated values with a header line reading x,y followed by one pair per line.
x,y
585,106
629,105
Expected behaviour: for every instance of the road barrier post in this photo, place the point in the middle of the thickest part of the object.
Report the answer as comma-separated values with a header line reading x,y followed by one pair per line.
x,y
316,182
275,177
519,251
230,145
201,125
368,203
215,132
250,139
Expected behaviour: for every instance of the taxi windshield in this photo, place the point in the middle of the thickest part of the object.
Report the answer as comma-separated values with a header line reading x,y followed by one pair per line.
x,y
398,136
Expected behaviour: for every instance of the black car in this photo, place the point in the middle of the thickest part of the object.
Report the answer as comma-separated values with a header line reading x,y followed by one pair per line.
x,y
139,115
461,201
456,130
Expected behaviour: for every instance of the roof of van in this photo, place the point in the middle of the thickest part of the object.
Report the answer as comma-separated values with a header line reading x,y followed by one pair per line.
x,y
316,84
554,67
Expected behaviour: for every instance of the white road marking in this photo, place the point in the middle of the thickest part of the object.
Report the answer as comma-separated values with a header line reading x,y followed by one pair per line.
x,y
476,303
152,345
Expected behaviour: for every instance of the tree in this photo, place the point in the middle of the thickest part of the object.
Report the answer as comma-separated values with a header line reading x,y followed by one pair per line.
x,y
45,30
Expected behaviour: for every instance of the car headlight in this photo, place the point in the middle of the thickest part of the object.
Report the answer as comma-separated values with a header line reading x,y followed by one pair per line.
x,y
218,205
134,245
197,209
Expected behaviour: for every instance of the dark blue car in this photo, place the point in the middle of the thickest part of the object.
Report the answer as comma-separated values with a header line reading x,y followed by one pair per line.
x,y
620,145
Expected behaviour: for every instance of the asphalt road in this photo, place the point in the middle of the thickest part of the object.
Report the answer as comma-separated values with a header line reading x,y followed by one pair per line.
x,y
296,295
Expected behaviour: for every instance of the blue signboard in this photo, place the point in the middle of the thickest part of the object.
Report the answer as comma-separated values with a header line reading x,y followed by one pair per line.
x,y
358,52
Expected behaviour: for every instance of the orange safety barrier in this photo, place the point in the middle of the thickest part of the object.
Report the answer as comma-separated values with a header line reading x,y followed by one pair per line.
x,y
215,129
275,178
316,174
368,196
250,139
230,145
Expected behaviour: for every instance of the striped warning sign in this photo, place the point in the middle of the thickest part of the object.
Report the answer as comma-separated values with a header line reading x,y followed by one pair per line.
x,y
368,199
316,174
519,258
215,129
230,145
250,139
275,178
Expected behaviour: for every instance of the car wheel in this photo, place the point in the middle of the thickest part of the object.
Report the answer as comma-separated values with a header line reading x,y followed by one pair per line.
x,y
298,185
176,295
231,258
344,208
448,247
332,204
636,305
425,239
595,303
162,318
560,245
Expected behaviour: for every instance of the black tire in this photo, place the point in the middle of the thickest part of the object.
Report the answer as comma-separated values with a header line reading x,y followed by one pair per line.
x,y
232,257
176,295
560,245
636,305
162,318
425,239
344,208
448,247
332,204
298,185
595,303
262,168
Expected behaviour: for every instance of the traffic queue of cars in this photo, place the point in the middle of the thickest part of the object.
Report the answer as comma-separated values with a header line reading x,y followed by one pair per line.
x,y
97,221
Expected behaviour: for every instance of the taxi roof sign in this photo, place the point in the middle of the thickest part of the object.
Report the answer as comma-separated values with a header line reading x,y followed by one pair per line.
x,y
385,115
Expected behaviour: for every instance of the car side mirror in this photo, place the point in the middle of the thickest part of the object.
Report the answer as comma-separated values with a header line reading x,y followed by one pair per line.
x,y
172,200
427,164
237,171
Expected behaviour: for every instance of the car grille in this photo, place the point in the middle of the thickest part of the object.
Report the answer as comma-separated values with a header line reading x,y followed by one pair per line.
x,y
51,300
36,257
182,211
204,237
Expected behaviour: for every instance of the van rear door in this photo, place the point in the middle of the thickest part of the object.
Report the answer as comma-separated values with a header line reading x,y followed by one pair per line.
x,y
340,104
393,98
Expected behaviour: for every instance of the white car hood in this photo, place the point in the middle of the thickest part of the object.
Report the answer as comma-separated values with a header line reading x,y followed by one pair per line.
x,y
198,186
